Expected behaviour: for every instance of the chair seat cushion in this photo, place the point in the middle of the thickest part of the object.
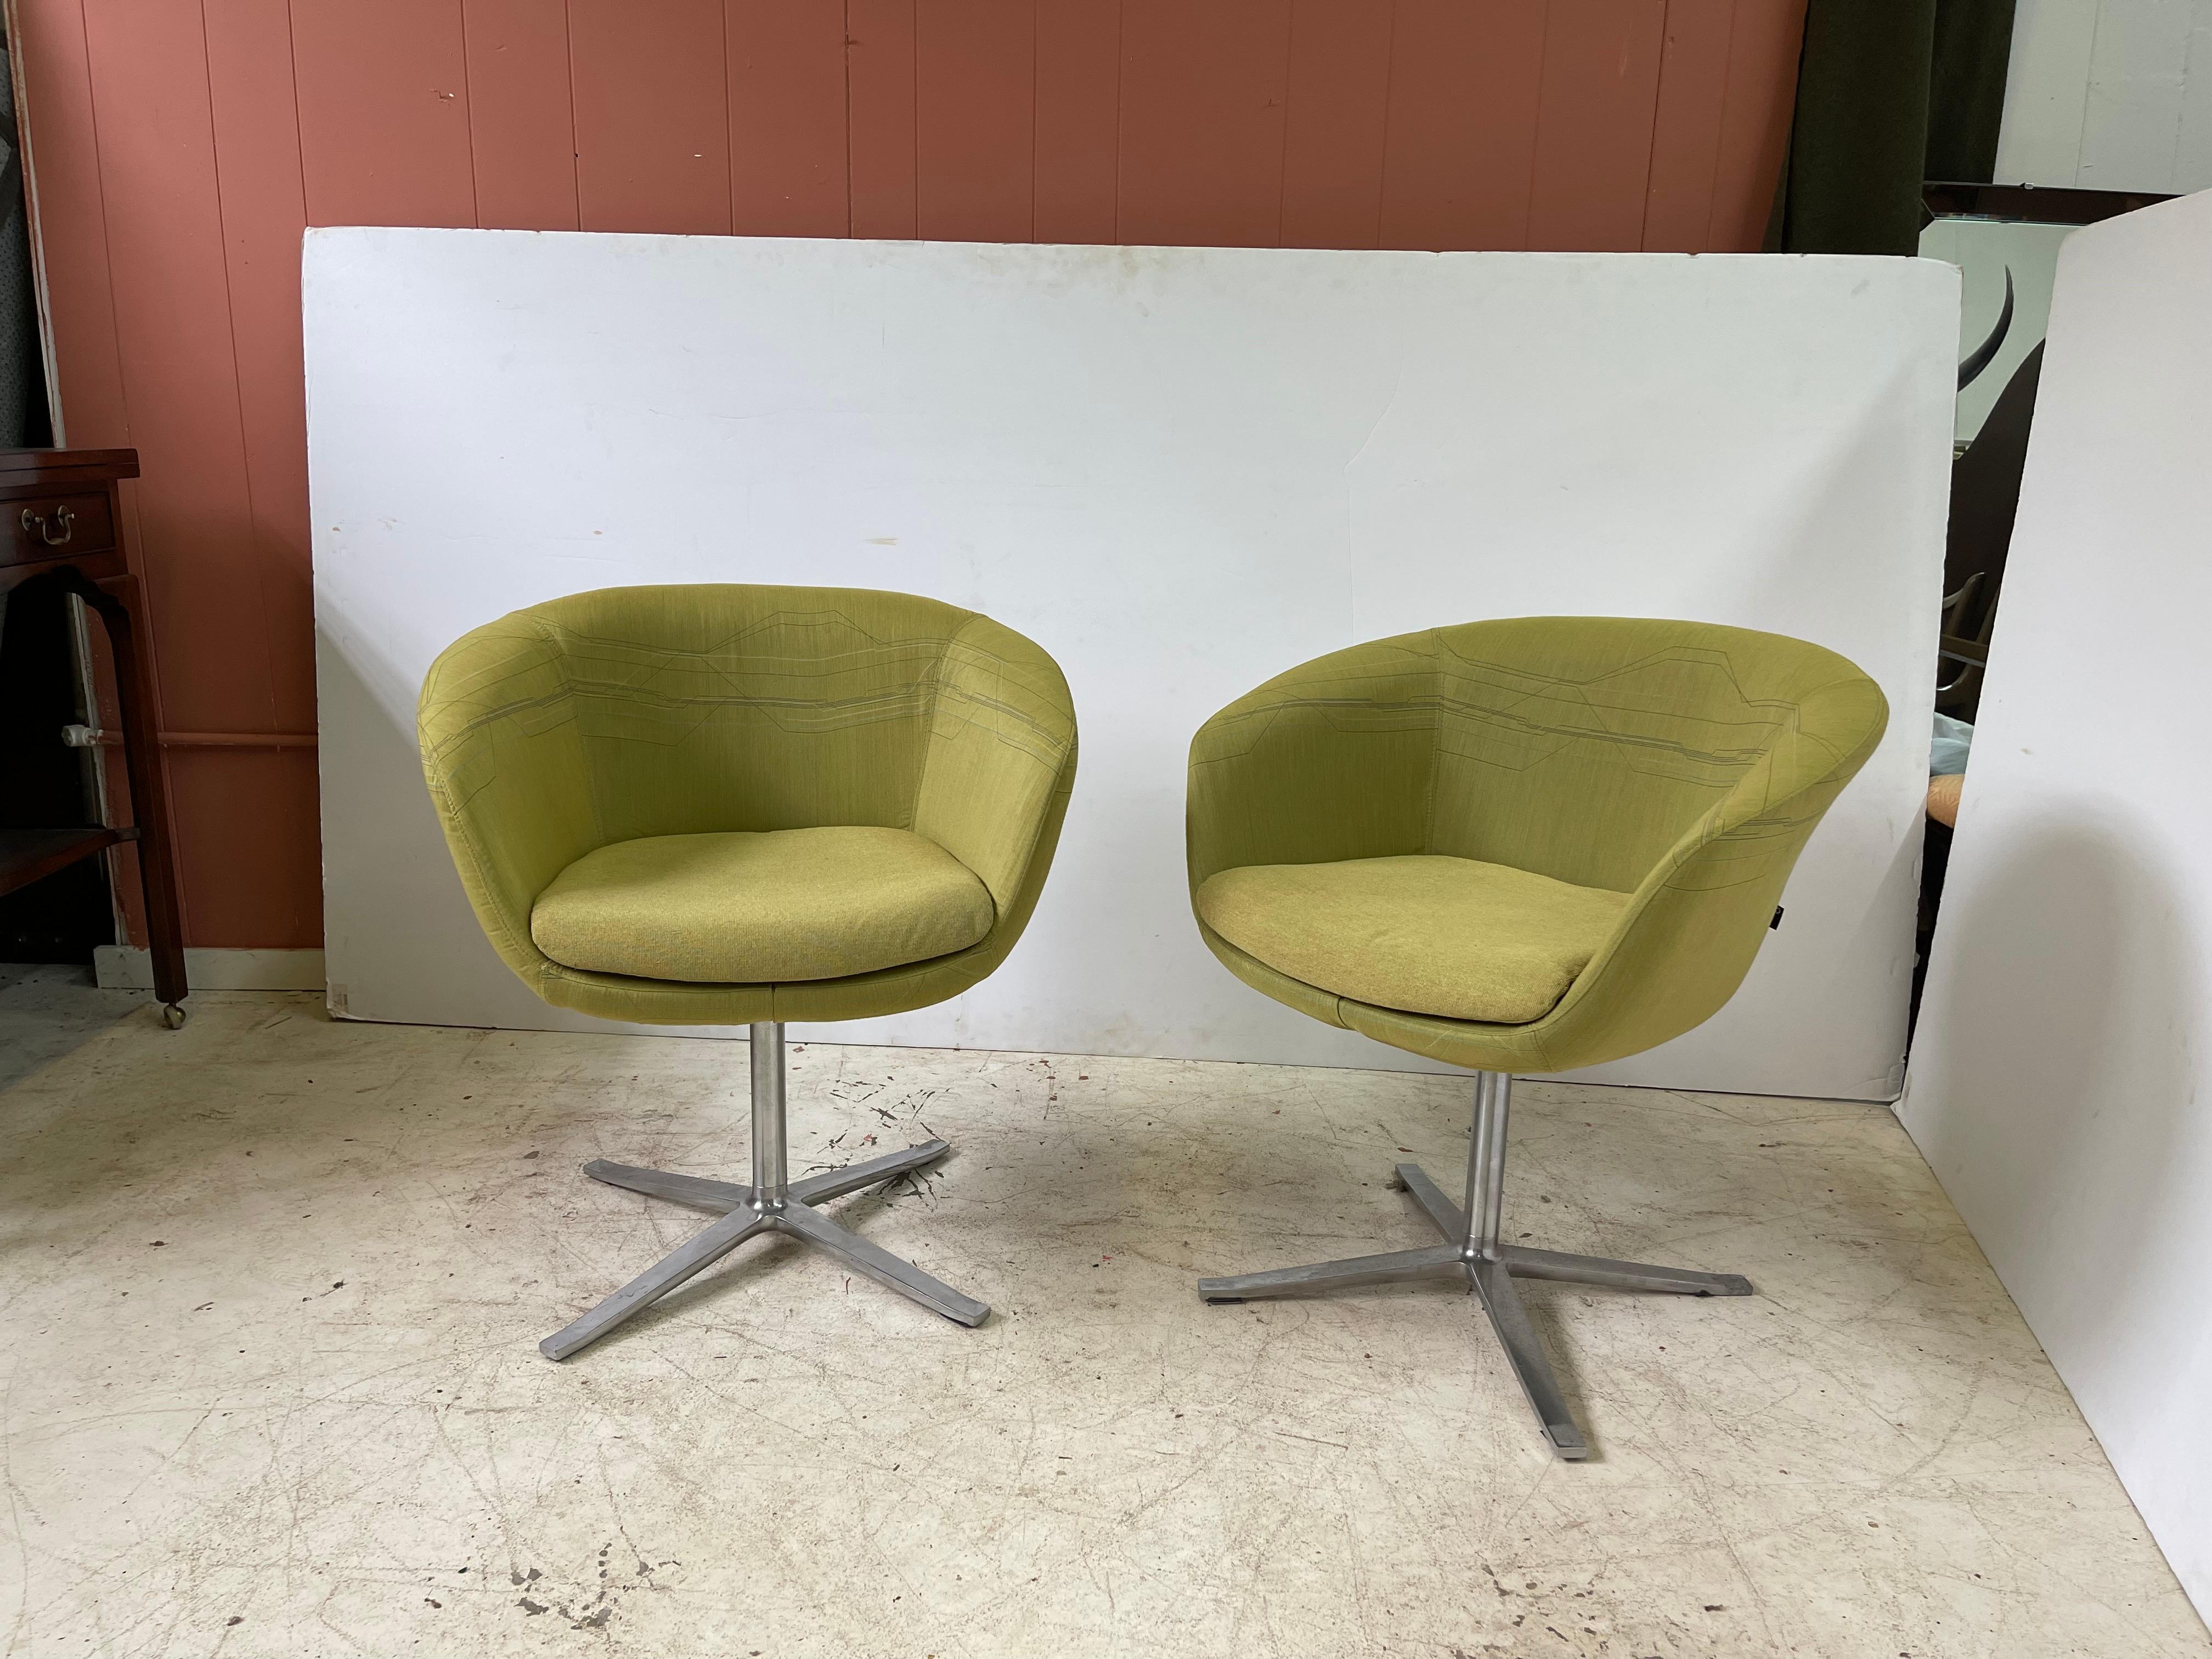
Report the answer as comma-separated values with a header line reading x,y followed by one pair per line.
x,y
761,908
1424,933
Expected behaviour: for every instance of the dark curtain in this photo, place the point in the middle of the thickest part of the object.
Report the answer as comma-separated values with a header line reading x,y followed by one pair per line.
x,y
1889,93
1973,53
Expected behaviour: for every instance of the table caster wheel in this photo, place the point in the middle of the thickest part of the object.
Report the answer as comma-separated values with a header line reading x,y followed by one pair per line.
x,y
173,1015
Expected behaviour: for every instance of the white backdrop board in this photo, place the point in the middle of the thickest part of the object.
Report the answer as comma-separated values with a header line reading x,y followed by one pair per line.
x,y
2062,1079
1180,471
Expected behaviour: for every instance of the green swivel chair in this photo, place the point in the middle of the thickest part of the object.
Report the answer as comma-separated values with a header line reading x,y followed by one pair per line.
x,y
1519,846
714,805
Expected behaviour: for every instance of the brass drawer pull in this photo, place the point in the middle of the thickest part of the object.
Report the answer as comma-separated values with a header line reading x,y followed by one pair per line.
x,y
36,523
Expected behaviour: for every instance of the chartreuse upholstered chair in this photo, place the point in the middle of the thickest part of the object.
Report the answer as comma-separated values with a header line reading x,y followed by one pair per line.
x,y
711,806
1519,846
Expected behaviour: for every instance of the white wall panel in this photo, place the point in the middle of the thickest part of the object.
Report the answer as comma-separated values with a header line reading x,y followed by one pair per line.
x,y
1180,470
2061,1077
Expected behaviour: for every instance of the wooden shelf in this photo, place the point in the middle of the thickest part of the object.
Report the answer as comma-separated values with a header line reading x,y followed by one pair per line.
x,y
26,856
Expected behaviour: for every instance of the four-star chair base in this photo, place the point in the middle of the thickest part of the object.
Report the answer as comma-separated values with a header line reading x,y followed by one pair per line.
x,y
1490,1266
772,1204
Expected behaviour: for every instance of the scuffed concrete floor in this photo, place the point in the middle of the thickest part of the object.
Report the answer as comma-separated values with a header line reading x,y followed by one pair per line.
x,y
272,1287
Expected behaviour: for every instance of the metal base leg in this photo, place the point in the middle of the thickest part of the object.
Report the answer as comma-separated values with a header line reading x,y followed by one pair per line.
x,y
1525,1263
702,1249
1332,1275
723,1195
882,1267
770,1205
1491,1267
1509,1320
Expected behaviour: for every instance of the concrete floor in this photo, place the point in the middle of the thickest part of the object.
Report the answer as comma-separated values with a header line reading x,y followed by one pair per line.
x,y
273,1286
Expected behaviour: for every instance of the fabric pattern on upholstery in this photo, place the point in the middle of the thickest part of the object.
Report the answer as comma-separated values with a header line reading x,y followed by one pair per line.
x,y
761,906
633,713
1683,763
1421,933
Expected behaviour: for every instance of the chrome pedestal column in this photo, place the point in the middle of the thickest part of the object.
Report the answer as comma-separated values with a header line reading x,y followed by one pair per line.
x,y
773,1204
1491,1267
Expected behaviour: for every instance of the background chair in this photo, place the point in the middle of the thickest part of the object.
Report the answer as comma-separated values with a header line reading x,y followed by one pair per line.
x,y
1519,846
744,805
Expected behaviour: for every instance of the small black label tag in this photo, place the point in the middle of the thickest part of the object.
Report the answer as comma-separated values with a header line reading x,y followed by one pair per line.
x,y
1777,922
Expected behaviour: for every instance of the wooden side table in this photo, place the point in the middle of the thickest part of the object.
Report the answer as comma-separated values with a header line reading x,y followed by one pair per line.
x,y
61,518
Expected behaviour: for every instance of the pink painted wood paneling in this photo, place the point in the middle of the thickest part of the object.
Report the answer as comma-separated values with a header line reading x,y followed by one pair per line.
x,y
1762,95
1335,123
177,148
974,119
1685,129
880,79
1594,122
1465,76
1078,117
204,571
257,173
248,850
172,319
63,175
383,107
652,116
522,120
1202,95
788,117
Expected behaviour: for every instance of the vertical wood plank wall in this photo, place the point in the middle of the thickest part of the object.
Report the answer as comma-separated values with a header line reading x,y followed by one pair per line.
x,y
178,148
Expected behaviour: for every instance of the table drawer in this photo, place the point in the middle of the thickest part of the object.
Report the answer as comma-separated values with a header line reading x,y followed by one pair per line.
x,y
56,527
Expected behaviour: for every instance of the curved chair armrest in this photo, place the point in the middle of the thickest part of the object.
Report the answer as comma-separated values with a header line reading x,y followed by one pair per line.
x,y
505,763
1323,764
1696,922
1001,749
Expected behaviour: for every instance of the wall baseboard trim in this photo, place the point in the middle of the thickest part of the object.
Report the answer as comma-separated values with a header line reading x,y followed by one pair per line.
x,y
127,967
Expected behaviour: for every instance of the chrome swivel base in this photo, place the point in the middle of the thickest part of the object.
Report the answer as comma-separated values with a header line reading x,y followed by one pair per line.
x,y
772,1204
1491,1267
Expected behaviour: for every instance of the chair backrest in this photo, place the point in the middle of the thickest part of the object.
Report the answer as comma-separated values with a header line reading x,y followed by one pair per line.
x,y
702,708
1584,747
